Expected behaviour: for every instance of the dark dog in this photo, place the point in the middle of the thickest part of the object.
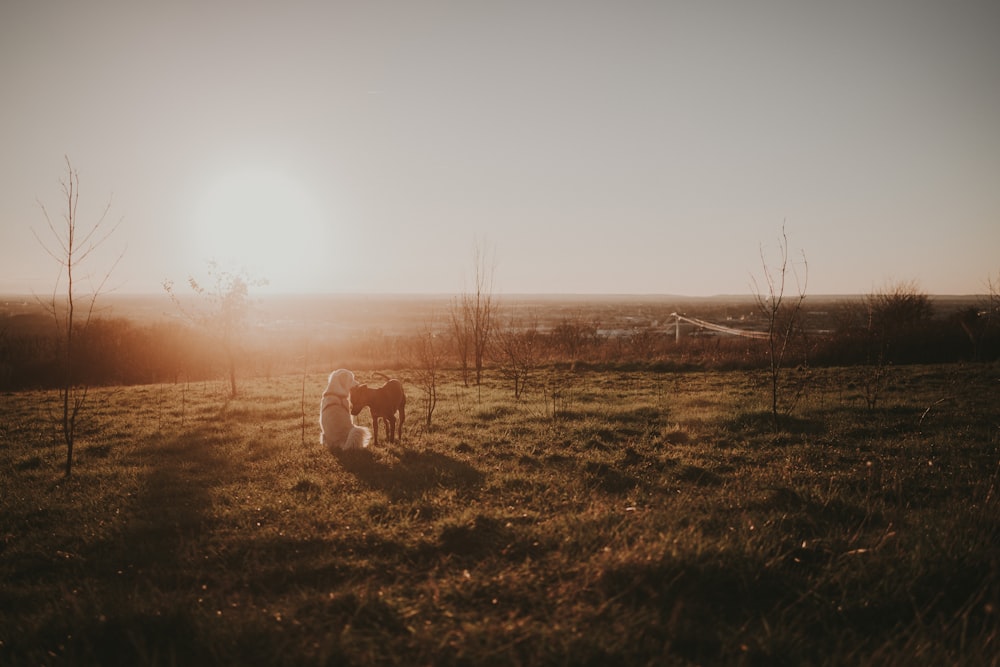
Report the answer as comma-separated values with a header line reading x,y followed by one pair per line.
x,y
383,402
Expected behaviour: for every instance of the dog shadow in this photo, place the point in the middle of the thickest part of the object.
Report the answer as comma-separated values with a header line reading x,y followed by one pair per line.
x,y
410,473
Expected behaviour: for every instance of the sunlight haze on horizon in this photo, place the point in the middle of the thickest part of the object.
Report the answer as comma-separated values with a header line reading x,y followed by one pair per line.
x,y
591,147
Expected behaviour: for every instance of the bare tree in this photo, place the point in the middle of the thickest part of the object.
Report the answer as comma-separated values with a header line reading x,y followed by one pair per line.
x,y
480,307
226,304
518,347
461,335
988,316
302,400
473,314
992,304
428,357
71,246
781,312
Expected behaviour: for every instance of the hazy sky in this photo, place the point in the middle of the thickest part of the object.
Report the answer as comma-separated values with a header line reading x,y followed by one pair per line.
x,y
613,147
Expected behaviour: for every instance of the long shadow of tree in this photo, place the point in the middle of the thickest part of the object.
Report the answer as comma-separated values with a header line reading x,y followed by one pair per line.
x,y
157,559
411,474
171,510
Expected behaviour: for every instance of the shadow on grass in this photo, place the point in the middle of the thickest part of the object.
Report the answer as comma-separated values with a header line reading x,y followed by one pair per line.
x,y
698,476
762,423
176,495
412,474
481,537
273,566
609,478
154,558
810,516
139,638
690,602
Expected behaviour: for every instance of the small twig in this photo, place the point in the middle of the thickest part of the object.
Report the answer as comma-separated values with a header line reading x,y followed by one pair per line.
x,y
937,402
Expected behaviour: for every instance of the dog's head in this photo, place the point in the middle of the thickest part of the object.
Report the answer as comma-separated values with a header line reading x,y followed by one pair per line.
x,y
340,382
359,398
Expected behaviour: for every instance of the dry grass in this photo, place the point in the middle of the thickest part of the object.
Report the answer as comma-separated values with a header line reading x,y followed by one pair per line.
x,y
643,518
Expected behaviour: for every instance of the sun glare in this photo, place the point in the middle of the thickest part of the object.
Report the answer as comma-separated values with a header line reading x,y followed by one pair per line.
x,y
266,222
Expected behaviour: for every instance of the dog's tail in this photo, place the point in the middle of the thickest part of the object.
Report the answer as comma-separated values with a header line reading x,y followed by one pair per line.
x,y
357,438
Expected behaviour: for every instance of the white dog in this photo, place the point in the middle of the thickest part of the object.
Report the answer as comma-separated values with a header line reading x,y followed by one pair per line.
x,y
336,426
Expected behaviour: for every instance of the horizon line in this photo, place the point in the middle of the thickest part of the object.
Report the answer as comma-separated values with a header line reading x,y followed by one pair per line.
x,y
549,295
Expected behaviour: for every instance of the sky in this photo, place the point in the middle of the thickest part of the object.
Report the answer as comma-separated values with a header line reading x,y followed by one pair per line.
x,y
629,147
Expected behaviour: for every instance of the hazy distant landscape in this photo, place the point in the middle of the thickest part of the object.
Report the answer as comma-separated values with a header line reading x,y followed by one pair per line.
x,y
339,314
148,338
402,311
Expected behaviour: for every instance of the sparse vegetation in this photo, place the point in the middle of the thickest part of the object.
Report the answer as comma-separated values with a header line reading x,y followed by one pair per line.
x,y
654,518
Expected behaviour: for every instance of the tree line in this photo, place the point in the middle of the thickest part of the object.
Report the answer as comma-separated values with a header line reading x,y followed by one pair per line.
x,y
897,326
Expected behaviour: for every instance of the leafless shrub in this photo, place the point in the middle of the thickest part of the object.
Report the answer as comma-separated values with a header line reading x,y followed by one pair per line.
x,y
428,353
572,336
518,348
557,392
461,334
889,316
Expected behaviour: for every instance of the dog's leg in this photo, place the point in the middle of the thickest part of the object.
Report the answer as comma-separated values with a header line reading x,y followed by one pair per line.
x,y
391,422
374,427
402,418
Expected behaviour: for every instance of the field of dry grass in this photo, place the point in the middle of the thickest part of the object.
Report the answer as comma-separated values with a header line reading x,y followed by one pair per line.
x,y
632,518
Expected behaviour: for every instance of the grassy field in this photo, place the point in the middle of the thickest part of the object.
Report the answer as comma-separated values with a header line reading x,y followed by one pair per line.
x,y
641,518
